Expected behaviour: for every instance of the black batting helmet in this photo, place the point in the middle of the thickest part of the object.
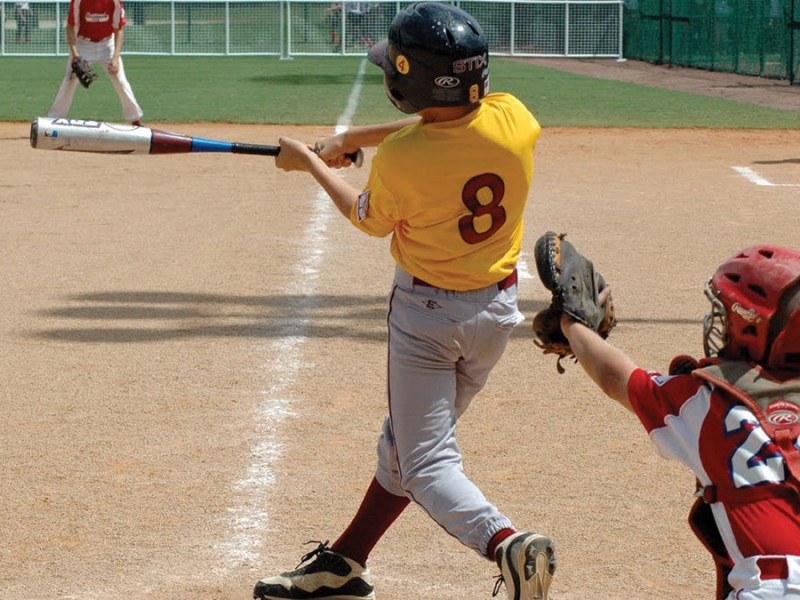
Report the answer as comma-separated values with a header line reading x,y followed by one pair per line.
x,y
435,55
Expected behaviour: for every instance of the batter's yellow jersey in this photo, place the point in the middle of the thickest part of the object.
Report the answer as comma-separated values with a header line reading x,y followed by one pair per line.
x,y
453,194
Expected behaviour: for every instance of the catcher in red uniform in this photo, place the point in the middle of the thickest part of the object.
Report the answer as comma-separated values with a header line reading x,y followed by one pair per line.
x,y
733,418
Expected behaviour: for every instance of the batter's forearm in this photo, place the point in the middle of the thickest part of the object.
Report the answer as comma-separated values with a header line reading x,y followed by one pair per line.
x,y
369,136
344,195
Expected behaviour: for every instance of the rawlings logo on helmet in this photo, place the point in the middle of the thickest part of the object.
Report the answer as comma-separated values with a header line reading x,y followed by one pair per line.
x,y
748,314
446,81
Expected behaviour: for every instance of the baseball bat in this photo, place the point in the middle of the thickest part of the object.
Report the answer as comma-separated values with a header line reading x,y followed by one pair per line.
x,y
116,138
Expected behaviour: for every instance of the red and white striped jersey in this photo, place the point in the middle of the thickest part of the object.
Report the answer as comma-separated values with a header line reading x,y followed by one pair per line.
x,y
722,442
96,19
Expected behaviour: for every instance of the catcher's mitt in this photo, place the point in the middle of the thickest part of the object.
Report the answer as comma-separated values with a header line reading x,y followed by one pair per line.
x,y
83,71
575,287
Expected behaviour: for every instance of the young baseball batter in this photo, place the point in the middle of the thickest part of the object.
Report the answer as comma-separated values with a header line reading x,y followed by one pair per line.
x,y
450,186
733,418
95,32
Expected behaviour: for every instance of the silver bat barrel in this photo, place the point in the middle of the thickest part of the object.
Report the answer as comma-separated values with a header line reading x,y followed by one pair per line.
x,y
89,136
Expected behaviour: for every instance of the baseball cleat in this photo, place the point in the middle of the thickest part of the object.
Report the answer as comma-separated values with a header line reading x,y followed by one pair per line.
x,y
527,562
328,575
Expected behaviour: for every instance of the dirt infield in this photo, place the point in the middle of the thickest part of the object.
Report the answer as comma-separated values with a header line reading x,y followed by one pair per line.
x,y
193,368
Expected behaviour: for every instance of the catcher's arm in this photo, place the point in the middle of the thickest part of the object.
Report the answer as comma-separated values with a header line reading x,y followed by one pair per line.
x,y
607,366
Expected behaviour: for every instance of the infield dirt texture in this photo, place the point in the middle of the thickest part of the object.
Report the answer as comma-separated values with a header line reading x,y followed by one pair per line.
x,y
192,351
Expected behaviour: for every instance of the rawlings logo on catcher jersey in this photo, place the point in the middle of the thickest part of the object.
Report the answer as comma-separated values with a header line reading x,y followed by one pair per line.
x,y
783,413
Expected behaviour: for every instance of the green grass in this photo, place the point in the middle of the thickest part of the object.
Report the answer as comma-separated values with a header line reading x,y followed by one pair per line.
x,y
311,90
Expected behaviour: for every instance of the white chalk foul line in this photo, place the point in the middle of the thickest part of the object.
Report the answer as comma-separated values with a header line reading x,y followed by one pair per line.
x,y
249,516
352,102
757,179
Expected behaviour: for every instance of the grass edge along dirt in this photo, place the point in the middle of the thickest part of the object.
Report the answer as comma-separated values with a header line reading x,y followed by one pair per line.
x,y
315,90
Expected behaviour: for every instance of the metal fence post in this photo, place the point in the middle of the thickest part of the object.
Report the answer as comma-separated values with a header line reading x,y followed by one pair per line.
x,y
286,30
58,26
227,28
172,27
513,28
793,26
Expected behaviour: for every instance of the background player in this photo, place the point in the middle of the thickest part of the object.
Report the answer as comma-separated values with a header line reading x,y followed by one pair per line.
x,y
25,19
95,32
450,186
733,418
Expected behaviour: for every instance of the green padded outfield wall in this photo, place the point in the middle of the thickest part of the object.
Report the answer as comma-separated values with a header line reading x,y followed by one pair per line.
x,y
750,37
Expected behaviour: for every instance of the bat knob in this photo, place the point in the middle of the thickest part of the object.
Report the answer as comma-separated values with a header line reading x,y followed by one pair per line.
x,y
34,131
357,157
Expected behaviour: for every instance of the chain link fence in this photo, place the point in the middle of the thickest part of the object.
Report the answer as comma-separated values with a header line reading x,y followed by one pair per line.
x,y
575,28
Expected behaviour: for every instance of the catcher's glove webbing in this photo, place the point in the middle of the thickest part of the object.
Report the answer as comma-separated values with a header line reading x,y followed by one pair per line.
x,y
575,287
83,71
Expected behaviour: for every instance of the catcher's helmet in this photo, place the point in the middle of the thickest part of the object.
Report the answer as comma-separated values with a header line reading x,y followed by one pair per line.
x,y
435,55
755,308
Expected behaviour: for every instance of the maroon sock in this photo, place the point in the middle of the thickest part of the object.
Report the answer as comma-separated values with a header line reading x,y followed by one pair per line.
x,y
497,539
378,510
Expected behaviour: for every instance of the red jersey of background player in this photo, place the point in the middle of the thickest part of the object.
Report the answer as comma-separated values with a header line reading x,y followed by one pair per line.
x,y
96,19
723,443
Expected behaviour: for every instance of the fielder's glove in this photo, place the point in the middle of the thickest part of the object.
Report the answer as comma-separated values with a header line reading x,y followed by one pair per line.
x,y
83,71
575,287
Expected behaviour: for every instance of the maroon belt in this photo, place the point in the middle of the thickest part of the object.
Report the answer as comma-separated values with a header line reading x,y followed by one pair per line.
x,y
773,567
88,39
503,284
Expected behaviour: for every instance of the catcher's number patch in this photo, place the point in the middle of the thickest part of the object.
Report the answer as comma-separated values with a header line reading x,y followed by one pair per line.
x,y
361,206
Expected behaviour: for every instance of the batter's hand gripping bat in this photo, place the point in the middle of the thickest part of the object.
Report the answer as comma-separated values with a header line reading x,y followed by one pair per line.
x,y
116,138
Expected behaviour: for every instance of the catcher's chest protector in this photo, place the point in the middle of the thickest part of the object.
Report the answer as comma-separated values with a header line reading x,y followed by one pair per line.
x,y
776,405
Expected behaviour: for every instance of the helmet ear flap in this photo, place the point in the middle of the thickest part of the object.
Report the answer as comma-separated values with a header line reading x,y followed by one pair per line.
x,y
784,339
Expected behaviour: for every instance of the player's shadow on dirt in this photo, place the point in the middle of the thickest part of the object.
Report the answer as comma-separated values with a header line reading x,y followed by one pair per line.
x,y
785,161
141,317
138,317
